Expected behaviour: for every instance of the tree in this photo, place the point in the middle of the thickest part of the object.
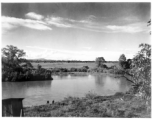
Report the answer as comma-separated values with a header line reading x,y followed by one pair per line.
x,y
149,24
39,67
141,70
99,61
11,57
128,64
122,61
12,52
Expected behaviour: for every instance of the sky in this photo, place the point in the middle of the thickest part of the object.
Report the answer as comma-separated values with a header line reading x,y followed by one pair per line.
x,y
76,31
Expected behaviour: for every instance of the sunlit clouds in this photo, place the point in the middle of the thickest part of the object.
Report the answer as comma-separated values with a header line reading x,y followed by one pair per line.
x,y
33,15
56,54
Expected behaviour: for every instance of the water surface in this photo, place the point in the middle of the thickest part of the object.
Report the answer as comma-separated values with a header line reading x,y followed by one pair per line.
x,y
38,92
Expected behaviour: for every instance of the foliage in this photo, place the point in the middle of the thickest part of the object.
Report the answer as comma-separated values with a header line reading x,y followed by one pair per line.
x,y
128,64
141,70
12,52
149,24
39,67
122,61
99,61
116,71
122,57
12,57
14,66
117,106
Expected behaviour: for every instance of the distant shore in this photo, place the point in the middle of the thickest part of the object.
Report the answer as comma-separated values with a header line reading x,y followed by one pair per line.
x,y
84,74
73,69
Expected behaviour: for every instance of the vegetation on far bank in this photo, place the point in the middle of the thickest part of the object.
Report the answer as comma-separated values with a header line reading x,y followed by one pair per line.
x,y
16,68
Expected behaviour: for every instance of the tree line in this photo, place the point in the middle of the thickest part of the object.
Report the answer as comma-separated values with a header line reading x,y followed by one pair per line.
x,y
64,61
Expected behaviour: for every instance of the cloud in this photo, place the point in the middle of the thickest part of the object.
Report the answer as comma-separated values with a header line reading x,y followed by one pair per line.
x,y
72,55
9,23
89,23
88,20
58,22
130,19
6,27
33,15
53,50
131,28
56,54
71,23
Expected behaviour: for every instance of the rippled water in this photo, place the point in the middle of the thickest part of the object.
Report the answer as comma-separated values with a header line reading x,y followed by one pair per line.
x,y
38,92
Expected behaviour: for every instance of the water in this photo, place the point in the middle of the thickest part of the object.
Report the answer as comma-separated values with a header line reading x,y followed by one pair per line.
x,y
38,92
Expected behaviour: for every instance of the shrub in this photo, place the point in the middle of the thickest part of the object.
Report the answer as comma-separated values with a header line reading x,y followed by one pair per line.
x,y
73,70
99,61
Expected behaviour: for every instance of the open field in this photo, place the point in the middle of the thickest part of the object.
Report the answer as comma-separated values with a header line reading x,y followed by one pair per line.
x,y
69,65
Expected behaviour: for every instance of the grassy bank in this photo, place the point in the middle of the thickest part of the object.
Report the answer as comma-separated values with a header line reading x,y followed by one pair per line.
x,y
118,105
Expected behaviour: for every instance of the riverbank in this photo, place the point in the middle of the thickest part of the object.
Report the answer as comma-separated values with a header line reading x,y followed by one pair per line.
x,y
70,73
86,73
90,73
118,105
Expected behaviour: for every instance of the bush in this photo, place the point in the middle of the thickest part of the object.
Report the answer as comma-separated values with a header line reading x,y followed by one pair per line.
x,y
141,70
73,70
85,67
116,71
99,61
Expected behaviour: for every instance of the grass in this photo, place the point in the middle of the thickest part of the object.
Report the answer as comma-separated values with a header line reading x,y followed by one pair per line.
x,y
118,106
70,65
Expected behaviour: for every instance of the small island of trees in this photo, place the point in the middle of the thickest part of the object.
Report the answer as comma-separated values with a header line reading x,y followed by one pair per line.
x,y
17,68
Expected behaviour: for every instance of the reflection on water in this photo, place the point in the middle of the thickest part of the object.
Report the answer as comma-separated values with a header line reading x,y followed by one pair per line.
x,y
69,76
99,80
107,85
25,90
38,92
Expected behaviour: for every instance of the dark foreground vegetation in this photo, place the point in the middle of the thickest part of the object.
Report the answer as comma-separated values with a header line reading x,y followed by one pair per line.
x,y
29,75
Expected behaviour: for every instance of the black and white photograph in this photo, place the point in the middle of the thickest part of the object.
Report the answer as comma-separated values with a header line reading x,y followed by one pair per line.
x,y
76,59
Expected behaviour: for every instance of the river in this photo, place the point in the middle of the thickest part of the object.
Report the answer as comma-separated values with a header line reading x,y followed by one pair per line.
x,y
39,92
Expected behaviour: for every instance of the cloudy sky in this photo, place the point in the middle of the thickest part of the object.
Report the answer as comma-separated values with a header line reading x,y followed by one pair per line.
x,y
76,31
